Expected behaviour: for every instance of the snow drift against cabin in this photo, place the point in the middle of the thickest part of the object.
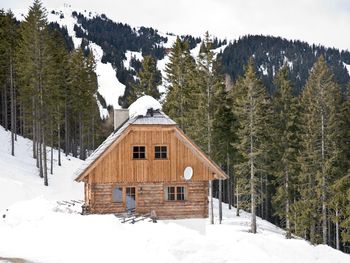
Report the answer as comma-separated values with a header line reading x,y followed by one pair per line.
x,y
141,106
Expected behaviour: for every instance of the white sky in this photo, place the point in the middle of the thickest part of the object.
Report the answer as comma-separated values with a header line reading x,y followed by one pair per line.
x,y
325,22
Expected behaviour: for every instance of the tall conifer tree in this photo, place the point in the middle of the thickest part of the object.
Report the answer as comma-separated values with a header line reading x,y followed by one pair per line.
x,y
285,130
320,151
182,91
149,78
250,108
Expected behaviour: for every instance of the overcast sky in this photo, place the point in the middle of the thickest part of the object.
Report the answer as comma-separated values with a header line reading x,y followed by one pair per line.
x,y
325,22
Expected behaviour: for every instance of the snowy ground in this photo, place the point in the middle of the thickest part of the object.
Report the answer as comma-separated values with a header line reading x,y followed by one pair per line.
x,y
35,227
19,179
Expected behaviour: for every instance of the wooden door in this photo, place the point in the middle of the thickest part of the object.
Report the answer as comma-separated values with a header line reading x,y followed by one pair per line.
x,y
130,198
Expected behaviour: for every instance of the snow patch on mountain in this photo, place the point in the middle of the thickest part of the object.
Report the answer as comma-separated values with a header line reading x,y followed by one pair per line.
x,y
129,55
347,66
109,86
68,21
263,69
288,62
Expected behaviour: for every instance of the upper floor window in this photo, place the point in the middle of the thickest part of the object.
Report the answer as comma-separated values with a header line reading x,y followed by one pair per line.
x,y
139,152
160,152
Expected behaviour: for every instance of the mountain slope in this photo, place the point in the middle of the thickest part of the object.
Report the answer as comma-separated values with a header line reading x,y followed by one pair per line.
x,y
36,227
19,177
119,48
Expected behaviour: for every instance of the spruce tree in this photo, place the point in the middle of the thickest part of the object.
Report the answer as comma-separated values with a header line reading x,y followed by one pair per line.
x,y
182,91
285,146
149,78
207,80
320,150
250,108
8,43
32,60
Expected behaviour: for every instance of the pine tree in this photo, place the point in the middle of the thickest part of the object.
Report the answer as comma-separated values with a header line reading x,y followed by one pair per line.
x,y
8,36
207,80
320,148
339,201
250,108
285,109
149,78
182,91
32,59
224,133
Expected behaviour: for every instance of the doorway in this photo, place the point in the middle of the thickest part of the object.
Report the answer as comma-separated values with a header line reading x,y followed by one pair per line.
x,y
130,198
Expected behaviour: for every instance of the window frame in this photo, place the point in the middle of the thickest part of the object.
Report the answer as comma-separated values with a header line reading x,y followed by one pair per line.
x,y
175,193
161,152
138,152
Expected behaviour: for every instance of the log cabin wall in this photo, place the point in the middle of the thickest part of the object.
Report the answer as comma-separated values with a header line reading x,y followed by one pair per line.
x,y
119,166
150,196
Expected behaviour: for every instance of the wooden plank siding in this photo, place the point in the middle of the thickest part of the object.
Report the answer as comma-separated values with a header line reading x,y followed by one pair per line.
x,y
150,196
119,166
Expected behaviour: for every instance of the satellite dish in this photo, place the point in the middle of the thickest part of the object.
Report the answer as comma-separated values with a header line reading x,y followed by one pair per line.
x,y
188,172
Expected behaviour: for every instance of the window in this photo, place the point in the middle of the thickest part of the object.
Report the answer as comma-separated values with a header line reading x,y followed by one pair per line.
x,y
171,194
139,152
117,195
160,152
175,193
180,193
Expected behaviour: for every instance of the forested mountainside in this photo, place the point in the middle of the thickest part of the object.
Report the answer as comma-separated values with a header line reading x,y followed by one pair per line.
x,y
270,53
116,39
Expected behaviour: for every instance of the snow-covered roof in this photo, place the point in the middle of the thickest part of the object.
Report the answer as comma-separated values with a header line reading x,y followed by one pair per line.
x,y
156,117
152,117
142,105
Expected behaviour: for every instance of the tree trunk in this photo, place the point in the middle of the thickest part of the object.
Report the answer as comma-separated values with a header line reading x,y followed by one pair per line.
x,y
51,161
5,109
59,143
252,179
81,138
66,130
93,133
237,198
288,233
229,189
337,228
46,182
324,210
262,197
15,111
220,201
34,128
12,110
40,155
211,212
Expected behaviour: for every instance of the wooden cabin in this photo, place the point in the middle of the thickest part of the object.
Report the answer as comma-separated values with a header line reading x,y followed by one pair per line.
x,y
141,167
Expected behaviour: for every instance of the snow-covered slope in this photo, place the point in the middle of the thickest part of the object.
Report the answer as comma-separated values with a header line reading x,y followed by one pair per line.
x,y
34,226
19,179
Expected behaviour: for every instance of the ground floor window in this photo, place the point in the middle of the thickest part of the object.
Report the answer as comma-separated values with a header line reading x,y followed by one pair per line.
x,y
175,193
117,195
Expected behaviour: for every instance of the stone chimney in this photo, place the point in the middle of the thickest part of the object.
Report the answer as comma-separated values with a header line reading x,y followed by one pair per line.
x,y
120,116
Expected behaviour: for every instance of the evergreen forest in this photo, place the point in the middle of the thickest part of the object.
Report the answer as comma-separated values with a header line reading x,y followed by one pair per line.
x,y
273,113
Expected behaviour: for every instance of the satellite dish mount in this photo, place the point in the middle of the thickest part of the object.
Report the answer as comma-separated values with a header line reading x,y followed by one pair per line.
x,y
188,172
